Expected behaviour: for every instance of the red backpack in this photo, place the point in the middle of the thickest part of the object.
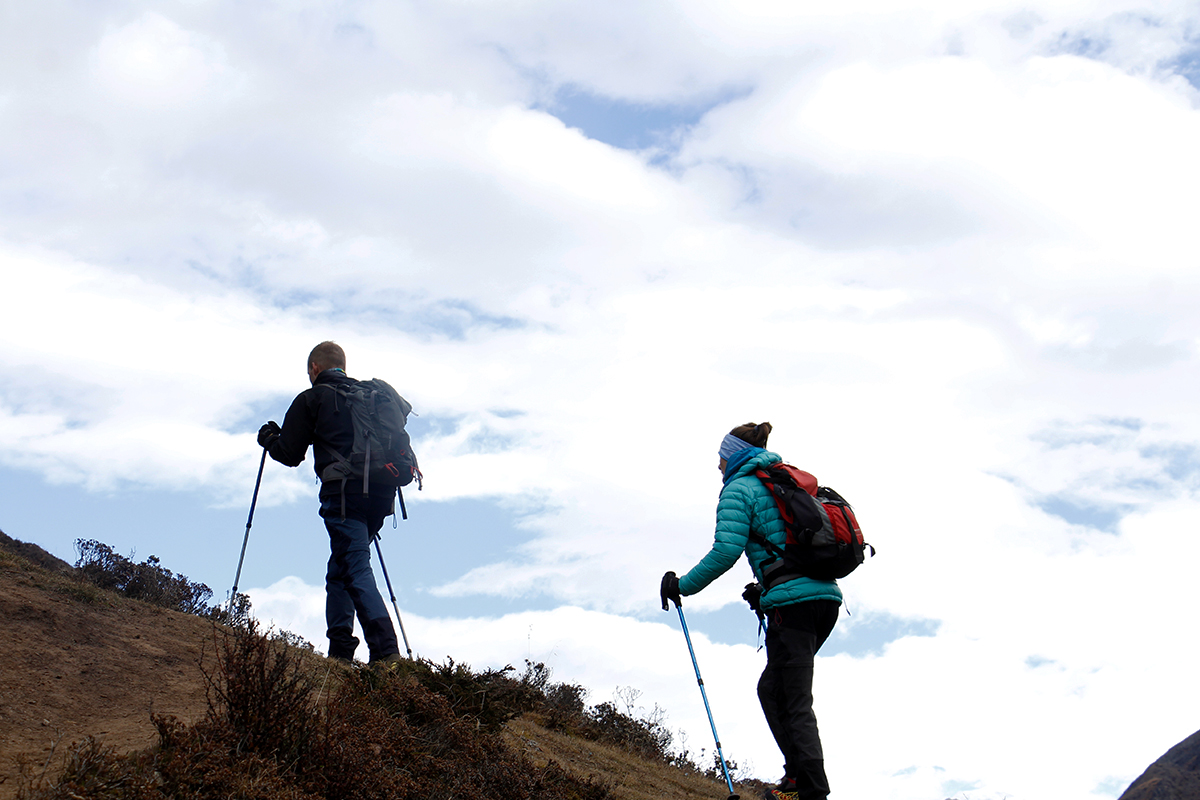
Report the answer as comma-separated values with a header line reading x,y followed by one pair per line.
x,y
824,540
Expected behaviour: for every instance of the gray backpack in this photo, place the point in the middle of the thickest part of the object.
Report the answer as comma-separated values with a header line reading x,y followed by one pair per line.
x,y
381,452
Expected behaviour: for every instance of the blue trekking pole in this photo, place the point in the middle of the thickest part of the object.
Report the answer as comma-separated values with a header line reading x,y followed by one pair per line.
x,y
703,694
246,538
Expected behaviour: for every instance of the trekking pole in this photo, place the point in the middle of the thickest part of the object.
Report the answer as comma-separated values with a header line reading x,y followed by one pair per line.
x,y
393,594
699,680
246,538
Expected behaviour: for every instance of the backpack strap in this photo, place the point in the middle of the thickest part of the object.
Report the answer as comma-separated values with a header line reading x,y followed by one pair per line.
x,y
773,572
337,390
758,538
344,460
372,395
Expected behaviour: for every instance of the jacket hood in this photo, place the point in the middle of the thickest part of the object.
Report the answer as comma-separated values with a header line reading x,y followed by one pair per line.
x,y
744,462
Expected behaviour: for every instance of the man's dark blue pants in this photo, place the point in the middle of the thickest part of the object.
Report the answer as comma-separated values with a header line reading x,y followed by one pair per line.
x,y
350,584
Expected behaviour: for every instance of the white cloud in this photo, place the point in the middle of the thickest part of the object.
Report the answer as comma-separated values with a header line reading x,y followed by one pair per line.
x,y
945,248
154,62
974,707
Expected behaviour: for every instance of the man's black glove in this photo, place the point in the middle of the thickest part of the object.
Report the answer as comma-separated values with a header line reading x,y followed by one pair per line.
x,y
268,433
669,590
752,595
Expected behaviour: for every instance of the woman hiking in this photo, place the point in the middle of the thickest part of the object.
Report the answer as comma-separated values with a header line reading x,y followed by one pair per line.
x,y
800,611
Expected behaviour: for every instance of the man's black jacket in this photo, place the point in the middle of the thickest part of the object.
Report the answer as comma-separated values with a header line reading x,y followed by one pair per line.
x,y
319,417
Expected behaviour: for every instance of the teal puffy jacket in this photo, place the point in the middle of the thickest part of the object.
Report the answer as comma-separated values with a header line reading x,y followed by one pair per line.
x,y
745,505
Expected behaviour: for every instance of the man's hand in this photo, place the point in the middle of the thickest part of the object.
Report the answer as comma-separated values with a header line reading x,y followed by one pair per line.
x,y
268,433
669,589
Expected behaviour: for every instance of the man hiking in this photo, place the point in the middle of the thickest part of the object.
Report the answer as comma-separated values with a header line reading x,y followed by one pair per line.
x,y
321,417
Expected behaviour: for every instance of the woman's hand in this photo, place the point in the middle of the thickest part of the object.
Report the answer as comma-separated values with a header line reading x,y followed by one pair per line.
x,y
669,589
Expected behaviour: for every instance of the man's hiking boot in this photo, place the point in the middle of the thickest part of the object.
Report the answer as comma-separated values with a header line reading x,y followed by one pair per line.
x,y
387,663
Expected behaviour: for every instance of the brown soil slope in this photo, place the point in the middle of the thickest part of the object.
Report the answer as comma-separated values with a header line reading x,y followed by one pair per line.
x,y
77,661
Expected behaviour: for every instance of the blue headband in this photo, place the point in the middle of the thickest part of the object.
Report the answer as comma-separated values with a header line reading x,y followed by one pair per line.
x,y
731,445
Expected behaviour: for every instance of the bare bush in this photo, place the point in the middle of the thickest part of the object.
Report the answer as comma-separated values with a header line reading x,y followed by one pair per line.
x,y
148,581
382,736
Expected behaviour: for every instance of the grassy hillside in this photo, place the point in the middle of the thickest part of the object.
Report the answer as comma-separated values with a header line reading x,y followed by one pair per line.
x,y
102,696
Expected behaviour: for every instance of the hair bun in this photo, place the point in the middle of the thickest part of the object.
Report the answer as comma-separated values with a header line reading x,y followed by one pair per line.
x,y
754,434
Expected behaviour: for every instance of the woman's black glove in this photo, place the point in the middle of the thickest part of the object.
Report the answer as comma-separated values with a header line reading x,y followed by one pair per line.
x,y
752,595
669,590
268,433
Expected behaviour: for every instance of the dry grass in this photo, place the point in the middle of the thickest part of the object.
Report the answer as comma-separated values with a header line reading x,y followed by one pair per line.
x,y
284,722
628,775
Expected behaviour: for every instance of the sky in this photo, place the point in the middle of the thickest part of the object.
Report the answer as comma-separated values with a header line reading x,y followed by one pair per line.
x,y
942,247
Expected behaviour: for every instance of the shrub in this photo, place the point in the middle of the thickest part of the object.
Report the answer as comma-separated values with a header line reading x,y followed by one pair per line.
x,y
148,581
714,771
235,614
153,583
91,770
562,707
258,692
382,736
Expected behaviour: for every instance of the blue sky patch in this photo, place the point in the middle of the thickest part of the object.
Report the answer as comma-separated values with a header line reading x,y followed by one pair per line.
x,y
452,319
952,787
294,298
1112,786
1080,512
1188,65
868,633
1100,432
734,623
253,415
485,440
1179,461
430,426
1078,44
1128,423
488,441
624,124
438,543
864,634
180,528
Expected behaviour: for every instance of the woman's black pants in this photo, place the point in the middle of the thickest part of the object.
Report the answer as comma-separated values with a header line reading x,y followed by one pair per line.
x,y
794,635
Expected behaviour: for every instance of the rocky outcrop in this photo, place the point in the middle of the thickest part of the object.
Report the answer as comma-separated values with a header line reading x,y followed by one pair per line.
x,y
1175,776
